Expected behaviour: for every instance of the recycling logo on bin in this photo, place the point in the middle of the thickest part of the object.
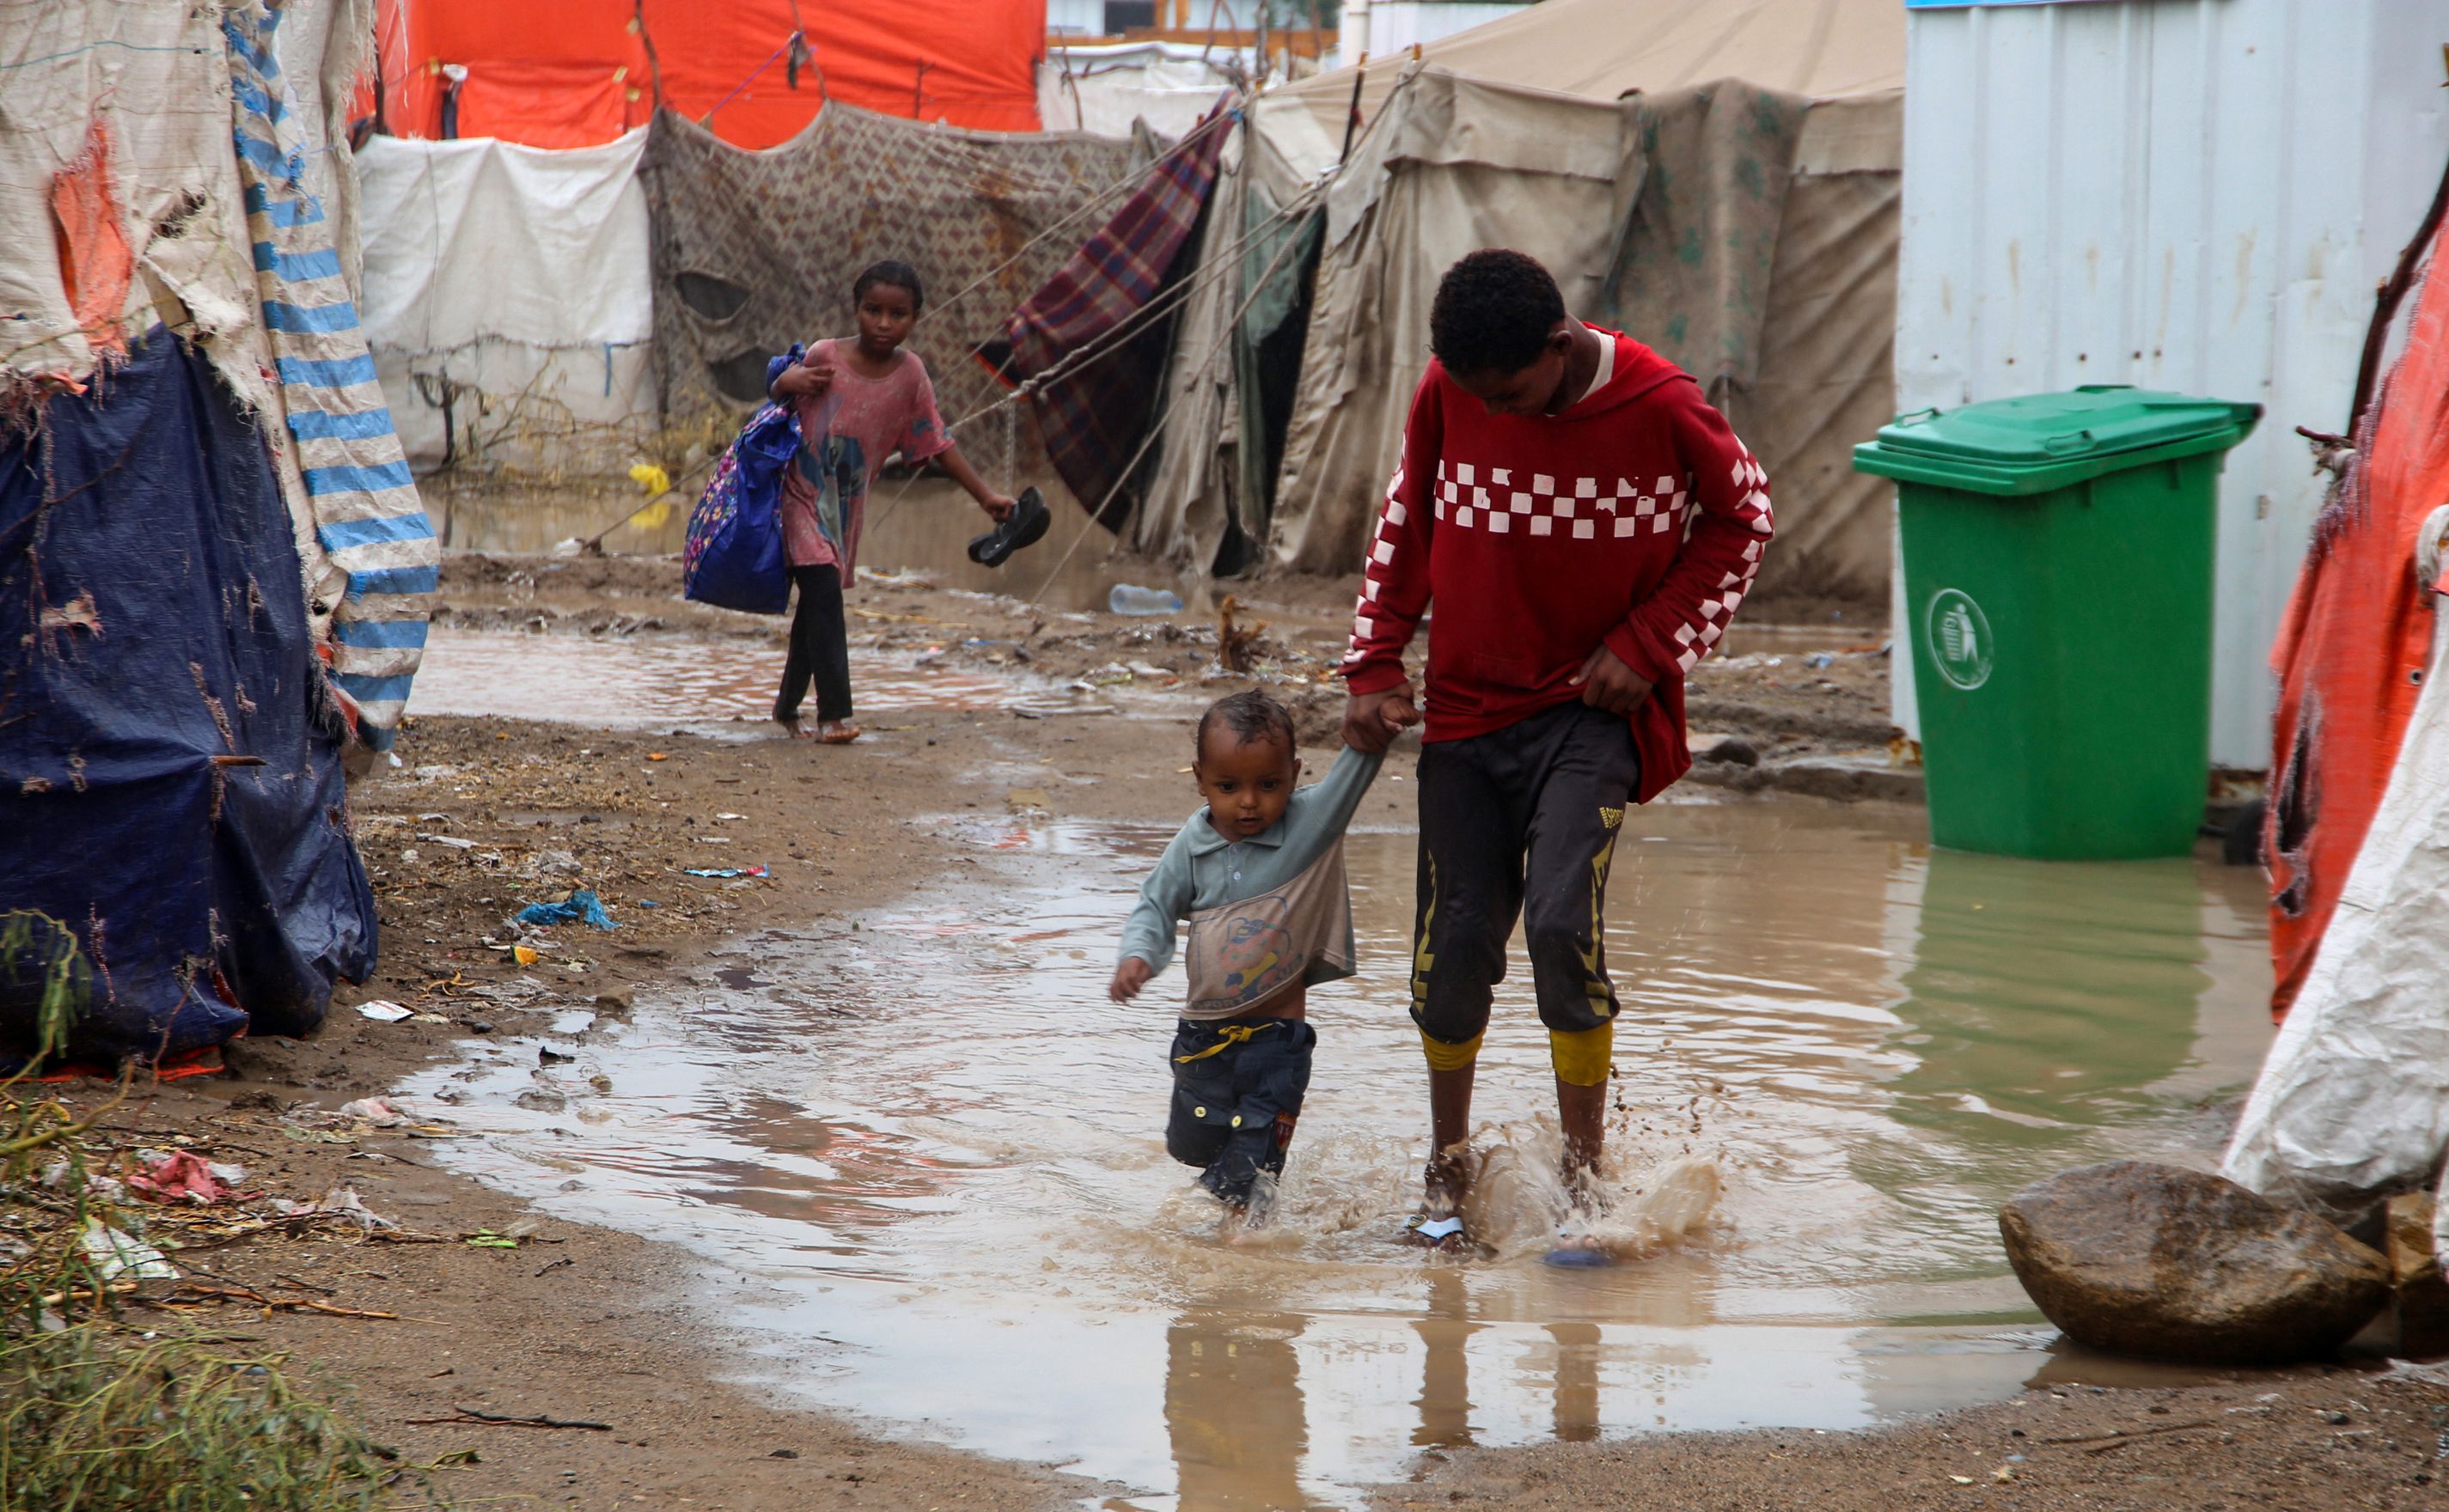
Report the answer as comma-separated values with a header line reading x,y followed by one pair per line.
x,y
1959,636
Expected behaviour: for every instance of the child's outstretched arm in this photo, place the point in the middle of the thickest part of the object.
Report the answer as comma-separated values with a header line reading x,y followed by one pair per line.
x,y
997,505
1147,934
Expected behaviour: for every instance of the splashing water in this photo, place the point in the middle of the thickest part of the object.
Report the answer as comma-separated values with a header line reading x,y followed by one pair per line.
x,y
930,1156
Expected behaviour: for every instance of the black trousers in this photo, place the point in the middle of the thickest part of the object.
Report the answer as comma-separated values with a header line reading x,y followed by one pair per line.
x,y
819,647
1519,822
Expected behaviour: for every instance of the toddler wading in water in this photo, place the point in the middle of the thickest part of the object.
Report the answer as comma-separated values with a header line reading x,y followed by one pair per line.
x,y
859,402
1258,872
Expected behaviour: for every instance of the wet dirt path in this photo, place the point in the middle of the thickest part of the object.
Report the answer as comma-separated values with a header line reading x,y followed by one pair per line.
x,y
925,1153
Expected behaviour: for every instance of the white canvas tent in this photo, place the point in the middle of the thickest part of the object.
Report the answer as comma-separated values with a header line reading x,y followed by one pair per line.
x,y
1519,133
509,299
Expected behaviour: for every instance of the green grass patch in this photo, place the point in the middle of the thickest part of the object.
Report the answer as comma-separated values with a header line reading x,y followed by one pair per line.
x,y
97,1415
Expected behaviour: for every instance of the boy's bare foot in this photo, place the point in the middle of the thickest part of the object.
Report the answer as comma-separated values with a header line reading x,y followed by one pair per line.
x,y
795,730
834,732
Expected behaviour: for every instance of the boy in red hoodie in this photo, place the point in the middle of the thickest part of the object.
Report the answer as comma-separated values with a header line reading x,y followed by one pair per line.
x,y
1586,525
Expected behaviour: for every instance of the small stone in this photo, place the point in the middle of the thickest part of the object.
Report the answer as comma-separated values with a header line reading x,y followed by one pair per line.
x,y
1733,751
540,1101
2145,1259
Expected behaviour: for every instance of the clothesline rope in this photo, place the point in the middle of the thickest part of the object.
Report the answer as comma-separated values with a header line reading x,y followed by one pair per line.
x,y
1157,429
1215,267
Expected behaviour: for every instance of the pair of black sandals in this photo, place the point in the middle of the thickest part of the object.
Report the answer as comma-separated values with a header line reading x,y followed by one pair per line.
x,y
1024,526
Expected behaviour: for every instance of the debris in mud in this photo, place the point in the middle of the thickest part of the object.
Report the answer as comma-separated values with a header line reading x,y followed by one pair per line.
x,y
2139,1258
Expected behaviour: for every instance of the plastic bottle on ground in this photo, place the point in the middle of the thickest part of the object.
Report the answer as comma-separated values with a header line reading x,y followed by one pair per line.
x,y
1130,598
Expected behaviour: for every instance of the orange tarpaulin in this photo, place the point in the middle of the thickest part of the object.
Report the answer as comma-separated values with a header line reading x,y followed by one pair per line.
x,y
2351,653
576,73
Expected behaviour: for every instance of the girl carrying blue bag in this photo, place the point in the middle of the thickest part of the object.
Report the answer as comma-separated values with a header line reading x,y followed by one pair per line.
x,y
786,503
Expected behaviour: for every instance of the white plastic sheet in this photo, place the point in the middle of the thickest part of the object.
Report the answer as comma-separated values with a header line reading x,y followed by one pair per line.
x,y
513,283
2353,1101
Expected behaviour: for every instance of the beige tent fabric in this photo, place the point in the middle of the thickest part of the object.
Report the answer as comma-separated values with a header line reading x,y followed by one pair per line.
x,y
1550,76
1189,499
1827,380
1453,164
1821,49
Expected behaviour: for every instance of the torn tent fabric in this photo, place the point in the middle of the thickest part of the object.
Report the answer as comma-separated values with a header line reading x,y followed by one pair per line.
x,y
2351,651
2353,1100
170,781
368,517
1094,413
753,251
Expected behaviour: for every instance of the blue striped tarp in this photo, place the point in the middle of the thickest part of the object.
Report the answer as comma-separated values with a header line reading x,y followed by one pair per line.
x,y
367,512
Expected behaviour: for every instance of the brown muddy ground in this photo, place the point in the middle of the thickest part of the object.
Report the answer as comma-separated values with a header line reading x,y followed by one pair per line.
x,y
577,1323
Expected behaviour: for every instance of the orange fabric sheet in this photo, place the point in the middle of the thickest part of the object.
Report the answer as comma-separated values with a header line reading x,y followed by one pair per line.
x,y
575,73
2352,650
95,265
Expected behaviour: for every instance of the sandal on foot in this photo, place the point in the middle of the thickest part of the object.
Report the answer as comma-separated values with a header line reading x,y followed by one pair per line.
x,y
1445,1233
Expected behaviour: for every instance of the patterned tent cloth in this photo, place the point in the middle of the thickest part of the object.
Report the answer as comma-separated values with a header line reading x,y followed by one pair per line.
x,y
756,250
1094,415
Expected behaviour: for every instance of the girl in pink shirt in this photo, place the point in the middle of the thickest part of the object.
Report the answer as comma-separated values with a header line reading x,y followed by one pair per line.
x,y
859,402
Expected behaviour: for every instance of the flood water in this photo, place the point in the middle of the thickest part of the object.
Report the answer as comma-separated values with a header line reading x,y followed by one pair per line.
x,y
923,1156
649,682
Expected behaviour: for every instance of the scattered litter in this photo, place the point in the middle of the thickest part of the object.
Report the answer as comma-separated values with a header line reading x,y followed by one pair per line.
x,y
339,1203
580,905
714,839
659,756
452,841
114,1254
375,1111
1022,800
383,1011
731,815
1820,659
487,1239
182,1176
716,871
525,955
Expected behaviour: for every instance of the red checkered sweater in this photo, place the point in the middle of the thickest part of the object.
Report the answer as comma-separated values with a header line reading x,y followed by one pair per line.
x,y
1634,519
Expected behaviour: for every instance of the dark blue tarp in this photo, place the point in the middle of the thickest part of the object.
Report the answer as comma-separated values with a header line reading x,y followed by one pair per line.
x,y
170,779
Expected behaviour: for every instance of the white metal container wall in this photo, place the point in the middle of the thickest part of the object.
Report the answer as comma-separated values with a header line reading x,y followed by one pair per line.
x,y
2195,195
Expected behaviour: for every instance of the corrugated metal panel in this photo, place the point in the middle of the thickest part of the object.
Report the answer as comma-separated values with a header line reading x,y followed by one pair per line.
x,y
2195,195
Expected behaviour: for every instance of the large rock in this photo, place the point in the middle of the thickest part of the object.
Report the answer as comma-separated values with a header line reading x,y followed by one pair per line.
x,y
2153,1260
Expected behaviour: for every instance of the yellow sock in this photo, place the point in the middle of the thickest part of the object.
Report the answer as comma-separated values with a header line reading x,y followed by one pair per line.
x,y
1582,1058
1444,1057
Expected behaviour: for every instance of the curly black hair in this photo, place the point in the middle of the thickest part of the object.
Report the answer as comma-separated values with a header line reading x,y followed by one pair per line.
x,y
900,275
1250,716
1493,312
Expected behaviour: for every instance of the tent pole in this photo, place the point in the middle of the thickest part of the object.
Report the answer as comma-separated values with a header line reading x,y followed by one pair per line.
x,y
1352,120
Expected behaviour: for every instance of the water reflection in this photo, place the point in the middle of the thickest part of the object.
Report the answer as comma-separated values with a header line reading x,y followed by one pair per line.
x,y
925,528
1860,1044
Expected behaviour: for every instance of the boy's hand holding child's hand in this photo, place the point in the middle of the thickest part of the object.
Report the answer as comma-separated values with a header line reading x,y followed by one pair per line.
x,y
1128,978
1371,721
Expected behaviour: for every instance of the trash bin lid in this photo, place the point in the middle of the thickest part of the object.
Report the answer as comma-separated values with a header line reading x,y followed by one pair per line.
x,y
2045,440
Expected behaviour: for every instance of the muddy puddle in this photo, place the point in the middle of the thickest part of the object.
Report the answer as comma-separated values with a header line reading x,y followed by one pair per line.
x,y
647,682
920,1155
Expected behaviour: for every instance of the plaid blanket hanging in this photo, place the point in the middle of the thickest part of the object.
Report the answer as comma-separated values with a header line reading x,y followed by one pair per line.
x,y
1094,417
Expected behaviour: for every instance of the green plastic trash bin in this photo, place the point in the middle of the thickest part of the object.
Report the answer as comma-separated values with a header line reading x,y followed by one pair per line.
x,y
2057,557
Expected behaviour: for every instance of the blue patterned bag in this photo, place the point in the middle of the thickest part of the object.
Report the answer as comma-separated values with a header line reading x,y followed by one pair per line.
x,y
733,555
